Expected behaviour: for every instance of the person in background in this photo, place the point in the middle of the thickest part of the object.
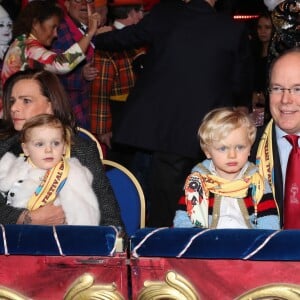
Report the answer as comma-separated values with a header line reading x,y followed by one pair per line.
x,y
261,43
272,147
197,60
5,38
34,32
27,94
100,115
226,190
47,174
77,83
116,78
5,31
286,21
13,7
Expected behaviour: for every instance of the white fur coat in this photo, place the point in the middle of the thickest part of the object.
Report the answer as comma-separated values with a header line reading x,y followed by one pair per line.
x,y
19,180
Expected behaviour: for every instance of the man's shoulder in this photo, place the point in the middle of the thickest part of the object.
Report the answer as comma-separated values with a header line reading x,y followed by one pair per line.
x,y
259,132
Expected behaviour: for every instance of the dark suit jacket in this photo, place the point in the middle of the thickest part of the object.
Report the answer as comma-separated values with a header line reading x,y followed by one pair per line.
x,y
278,184
196,60
86,152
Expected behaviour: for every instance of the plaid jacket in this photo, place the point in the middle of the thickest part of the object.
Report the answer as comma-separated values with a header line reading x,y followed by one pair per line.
x,y
115,79
76,86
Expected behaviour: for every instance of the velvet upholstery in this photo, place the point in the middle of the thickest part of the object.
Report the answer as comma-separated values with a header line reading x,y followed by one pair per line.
x,y
248,244
73,240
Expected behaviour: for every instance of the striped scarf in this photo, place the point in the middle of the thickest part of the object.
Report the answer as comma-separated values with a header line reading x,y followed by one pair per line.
x,y
200,183
264,156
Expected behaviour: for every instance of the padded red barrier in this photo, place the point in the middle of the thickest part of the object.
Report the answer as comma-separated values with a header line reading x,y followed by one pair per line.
x,y
50,277
215,279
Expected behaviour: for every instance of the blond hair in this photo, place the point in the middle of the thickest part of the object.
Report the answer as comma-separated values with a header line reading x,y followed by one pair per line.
x,y
218,123
44,120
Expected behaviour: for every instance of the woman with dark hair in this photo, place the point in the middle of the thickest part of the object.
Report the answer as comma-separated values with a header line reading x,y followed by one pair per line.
x,y
32,92
49,86
34,31
261,43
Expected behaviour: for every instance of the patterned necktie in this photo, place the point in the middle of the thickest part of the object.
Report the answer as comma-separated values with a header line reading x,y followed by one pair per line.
x,y
292,186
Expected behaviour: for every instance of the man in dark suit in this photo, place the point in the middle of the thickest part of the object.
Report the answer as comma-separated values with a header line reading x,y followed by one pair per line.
x,y
196,60
284,89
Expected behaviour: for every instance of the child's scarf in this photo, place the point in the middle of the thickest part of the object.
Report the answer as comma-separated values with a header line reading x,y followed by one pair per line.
x,y
237,188
199,184
264,157
53,181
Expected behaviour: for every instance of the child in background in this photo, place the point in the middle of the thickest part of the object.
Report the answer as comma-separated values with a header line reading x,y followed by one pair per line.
x,y
46,174
226,190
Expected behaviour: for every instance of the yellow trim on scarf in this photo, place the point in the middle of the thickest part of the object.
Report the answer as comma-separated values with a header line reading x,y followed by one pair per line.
x,y
51,184
264,156
237,188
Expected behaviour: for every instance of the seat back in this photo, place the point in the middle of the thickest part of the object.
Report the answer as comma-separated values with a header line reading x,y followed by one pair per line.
x,y
88,135
129,195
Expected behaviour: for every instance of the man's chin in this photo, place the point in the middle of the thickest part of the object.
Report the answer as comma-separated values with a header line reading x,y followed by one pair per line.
x,y
289,126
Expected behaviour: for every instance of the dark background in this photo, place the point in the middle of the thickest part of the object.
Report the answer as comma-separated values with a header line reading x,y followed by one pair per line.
x,y
230,6
245,7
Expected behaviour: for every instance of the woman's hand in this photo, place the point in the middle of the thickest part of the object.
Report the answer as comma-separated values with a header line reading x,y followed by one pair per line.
x,y
46,215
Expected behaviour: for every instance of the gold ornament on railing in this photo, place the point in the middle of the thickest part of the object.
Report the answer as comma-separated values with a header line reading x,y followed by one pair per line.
x,y
84,289
8,294
174,287
282,291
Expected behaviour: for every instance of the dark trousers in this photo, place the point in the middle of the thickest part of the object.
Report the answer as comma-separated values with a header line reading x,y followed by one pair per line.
x,y
166,180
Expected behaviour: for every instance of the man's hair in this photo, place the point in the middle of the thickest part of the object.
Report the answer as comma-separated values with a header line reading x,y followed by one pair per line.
x,y
218,123
121,12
